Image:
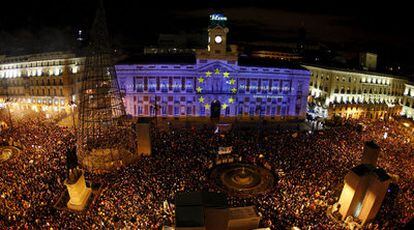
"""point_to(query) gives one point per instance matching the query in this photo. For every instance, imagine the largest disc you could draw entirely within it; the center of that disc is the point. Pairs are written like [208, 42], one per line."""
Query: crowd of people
[310, 168]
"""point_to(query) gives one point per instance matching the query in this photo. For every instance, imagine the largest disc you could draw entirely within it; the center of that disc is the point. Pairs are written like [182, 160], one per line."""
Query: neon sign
[218, 17]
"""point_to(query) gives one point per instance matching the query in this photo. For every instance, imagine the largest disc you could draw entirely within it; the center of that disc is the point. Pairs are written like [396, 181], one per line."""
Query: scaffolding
[105, 138]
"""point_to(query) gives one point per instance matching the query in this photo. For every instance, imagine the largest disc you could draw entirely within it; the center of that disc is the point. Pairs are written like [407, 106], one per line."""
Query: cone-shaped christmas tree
[105, 138]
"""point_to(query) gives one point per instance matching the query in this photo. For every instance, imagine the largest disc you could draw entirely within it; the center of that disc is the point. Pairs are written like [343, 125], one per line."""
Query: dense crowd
[310, 169]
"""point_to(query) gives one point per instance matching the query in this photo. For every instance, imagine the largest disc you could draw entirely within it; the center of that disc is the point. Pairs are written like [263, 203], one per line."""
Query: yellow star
[226, 74]
[217, 71]
[200, 79]
[233, 90]
[231, 100]
[201, 99]
[208, 74]
[199, 89]
[224, 106]
[232, 81]
[207, 106]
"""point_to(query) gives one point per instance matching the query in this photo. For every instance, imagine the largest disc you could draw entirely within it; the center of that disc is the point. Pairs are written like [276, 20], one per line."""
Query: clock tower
[217, 48]
[217, 34]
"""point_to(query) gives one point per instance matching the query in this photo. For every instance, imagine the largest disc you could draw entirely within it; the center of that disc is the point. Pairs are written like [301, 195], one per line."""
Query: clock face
[218, 39]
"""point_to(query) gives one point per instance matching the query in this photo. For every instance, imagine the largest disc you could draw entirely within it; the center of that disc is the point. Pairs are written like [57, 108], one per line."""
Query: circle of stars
[229, 80]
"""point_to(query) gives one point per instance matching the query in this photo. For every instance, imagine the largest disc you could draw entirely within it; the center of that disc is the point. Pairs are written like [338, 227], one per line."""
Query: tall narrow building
[105, 139]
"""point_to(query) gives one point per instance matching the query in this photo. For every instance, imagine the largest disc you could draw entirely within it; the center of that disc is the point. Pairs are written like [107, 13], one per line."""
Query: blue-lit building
[213, 82]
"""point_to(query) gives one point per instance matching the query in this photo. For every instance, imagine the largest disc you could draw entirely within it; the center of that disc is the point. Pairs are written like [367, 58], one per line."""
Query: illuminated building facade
[408, 101]
[353, 94]
[45, 82]
[215, 83]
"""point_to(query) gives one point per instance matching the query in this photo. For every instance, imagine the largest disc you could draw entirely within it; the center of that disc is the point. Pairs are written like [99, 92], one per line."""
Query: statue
[79, 193]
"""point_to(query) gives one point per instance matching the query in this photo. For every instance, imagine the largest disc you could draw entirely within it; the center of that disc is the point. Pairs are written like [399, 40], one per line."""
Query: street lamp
[155, 107]
[73, 105]
[7, 104]
[260, 125]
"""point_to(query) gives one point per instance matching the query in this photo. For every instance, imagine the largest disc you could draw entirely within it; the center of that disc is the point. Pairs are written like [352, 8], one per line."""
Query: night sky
[385, 28]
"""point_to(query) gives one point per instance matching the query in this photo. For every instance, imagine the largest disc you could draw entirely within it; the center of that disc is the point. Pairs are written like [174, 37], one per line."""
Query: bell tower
[217, 34]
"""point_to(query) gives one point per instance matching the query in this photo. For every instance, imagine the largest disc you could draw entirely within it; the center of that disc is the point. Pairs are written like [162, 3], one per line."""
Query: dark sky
[381, 27]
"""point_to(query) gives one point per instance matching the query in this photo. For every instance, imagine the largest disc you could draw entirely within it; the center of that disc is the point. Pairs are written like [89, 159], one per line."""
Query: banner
[225, 150]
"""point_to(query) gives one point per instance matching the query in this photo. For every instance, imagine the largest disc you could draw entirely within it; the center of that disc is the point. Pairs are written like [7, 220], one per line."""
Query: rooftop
[159, 59]
[359, 71]
[269, 62]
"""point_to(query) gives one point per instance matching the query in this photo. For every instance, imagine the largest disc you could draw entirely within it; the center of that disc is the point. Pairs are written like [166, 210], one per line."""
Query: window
[139, 85]
[189, 85]
[176, 110]
[164, 85]
[283, 112]
[251, 110]
[275, 86]
[253, 86]
[177, 85]
[152, 84]
[265, 86]
[273, 111]
[240, 112]
[242, 86]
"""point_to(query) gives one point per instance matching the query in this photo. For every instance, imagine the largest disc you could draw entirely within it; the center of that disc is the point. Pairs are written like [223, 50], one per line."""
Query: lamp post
[155, 107]
[260, 126]
[73, 105]
[7, 103]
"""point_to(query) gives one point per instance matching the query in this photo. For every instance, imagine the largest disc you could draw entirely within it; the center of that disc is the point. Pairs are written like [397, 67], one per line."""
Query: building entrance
[215, 109]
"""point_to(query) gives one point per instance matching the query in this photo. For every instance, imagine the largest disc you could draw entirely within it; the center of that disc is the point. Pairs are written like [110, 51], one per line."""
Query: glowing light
[224, 106]
[234, 90]
[207, 106]
[216, 71]
[406, 124]
[232, 81]
[208, 74]
[199, 89]
[57, 71]
[75, 69]
[231, 100]
[218, 17]
[226, 74]
[200, 79]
